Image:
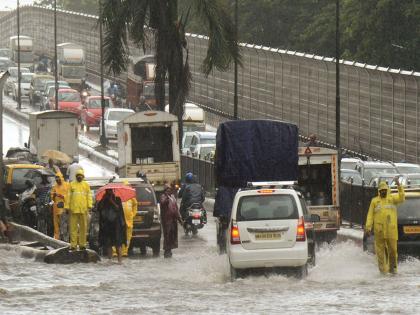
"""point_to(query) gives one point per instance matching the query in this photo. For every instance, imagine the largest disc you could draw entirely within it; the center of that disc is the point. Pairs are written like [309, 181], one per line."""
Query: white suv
[268, 230]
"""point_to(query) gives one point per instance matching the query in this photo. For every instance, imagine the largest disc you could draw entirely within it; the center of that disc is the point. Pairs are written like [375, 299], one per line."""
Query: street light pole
[337, 82]
[18, 57]
[55, 56]
[3, 79]
[235, 95]
[102, 138]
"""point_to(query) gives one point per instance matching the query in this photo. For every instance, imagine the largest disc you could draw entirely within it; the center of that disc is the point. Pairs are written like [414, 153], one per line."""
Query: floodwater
[196, 280]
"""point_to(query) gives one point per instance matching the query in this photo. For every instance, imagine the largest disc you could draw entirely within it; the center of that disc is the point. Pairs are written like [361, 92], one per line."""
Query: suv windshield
[373, 172]
[19, 179]
[410, 209]
[145, 196]
[267, 207]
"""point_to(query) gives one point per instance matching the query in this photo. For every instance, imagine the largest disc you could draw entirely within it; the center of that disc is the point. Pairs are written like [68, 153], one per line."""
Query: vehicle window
[118, 116]
[208, 141]
[371, 172]
[145, 196]
[187, 141]
[96, 103]
[18, 178]
[267, 207]
[303, 204]
[348, 165]
[410, 209]
[68, 97]
[206, 150]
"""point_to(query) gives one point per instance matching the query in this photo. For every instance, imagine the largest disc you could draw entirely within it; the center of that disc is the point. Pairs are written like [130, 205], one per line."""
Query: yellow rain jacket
[382, 214]
[80, 196]
[59, 193]
[130, 211]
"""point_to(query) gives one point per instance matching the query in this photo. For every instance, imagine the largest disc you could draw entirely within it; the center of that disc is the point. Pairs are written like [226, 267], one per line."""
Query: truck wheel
[312, 255]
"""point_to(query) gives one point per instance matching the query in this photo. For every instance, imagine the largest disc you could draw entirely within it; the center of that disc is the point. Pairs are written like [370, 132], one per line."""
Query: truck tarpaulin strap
[256, 150]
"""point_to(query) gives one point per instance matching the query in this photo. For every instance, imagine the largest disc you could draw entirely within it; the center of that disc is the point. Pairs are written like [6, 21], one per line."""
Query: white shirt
[72, 170]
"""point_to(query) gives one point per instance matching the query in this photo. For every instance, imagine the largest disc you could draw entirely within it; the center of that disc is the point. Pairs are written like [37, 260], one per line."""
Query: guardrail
[202, 169]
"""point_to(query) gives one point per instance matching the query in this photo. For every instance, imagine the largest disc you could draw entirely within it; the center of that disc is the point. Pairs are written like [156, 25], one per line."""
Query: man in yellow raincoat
[382, 216]
[79, 203]
[130, 211]
[59, 194]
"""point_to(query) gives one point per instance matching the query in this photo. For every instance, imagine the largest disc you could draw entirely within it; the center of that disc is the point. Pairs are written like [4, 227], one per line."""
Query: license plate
[267, 236]
[412, 229]
[139, 219]
[196, 221]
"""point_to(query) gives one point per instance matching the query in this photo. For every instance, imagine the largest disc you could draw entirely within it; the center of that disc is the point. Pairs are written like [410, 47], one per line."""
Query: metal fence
[379, 106]
[204, 170]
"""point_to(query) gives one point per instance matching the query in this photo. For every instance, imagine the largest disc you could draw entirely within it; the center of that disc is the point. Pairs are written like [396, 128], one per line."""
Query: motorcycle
[196, 219]
[28, 207]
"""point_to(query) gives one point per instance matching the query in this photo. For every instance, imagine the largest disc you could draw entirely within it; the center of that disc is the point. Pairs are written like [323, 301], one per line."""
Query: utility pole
[337, 82]
[55, 55]
[235, 95]
[18, 57]
[102, 138]
[3, 79]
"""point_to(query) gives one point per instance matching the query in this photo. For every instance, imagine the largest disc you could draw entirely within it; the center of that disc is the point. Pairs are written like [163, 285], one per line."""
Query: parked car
[268, 229]
[349, 163]
[204, 151]
[351, 176]
[112, 117]
[370, 169]
[13, 71]
[25, 82]
[202, 137]
[50, 92]
[407, 168]
[37, 86]
[5, 63]
[388, 178]
[92, 111]
[68, 100]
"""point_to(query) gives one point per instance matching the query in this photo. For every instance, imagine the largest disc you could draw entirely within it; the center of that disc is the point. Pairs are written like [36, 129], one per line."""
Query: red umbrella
[120, 190]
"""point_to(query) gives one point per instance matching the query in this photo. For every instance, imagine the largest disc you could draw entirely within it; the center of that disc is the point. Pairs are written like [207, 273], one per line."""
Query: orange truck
[141, 83]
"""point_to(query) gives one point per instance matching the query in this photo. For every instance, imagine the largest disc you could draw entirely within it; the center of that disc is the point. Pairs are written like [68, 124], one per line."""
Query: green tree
[165, 22]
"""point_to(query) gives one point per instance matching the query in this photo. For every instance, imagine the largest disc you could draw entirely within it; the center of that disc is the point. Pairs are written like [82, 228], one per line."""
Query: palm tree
[161, 21]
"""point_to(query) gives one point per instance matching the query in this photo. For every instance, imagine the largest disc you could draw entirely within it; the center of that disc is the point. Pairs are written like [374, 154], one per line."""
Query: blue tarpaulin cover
[256, 150]
[252, 151]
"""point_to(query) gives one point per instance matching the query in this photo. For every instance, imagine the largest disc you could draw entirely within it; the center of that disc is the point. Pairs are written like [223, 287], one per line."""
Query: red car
[92, 111]
[68, 100]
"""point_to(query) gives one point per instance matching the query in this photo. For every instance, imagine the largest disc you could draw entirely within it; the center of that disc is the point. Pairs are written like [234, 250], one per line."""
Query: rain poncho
[59, 194]
[382, 217]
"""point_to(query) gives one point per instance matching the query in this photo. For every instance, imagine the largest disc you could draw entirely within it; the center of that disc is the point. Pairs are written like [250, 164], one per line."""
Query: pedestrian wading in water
[112, 226]
[170, 217]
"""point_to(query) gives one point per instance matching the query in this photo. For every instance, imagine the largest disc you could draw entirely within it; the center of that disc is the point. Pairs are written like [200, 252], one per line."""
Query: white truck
[71, 63]
[53, 130]
[193, 119]
[148, 143]
[319, 183]
[26, 51]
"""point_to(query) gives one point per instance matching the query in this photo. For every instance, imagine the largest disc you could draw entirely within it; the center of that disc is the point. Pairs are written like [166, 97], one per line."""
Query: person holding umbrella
[112, 222]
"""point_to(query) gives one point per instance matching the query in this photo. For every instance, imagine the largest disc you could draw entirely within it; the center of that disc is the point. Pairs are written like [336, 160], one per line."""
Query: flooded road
[196, 280]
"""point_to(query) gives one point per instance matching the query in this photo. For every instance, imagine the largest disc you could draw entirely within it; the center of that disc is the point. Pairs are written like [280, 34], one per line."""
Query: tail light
[197, 215]
[234, 235]
[301, 234]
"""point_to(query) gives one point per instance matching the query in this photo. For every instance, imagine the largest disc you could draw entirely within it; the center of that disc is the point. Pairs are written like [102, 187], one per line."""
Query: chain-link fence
[379, 106]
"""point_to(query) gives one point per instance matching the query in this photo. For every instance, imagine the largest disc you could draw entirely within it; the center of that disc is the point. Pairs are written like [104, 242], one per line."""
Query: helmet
[189, 177]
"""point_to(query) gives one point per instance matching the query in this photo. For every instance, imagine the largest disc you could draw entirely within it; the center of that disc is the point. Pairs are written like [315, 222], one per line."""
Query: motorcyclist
[191, 192]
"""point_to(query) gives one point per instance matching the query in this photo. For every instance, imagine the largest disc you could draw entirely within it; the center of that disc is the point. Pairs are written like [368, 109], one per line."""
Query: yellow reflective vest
[382, 214]
[80, 197]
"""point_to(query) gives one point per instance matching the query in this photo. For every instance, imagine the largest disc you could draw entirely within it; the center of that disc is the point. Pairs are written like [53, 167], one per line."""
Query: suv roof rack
[271, 184]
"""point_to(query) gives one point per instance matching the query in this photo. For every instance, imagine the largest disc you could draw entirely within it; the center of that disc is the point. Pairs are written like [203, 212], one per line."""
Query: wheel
[156, 249]
[194, 230]
[312, 255]
[221, 240]
[143, 250]
[233, 273]
[302, 271]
